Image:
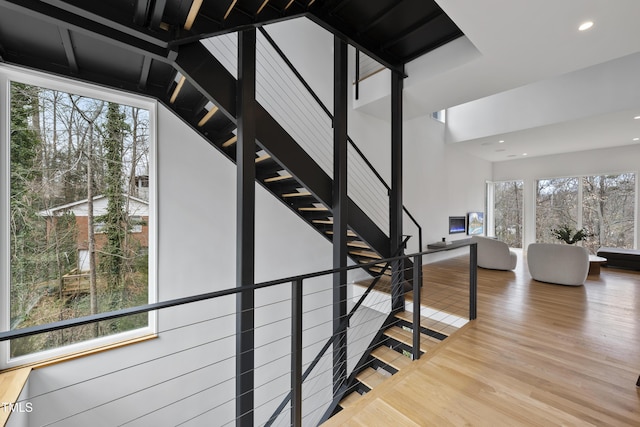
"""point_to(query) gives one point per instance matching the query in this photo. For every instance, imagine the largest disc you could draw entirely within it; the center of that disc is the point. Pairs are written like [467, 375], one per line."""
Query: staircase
[204, 95]
[391, 352]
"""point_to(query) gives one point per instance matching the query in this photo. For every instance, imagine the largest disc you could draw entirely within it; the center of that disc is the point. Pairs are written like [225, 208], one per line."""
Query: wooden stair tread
[297, 194]
[322, 221]
[406, 337]
[313, 209]
[350, 399]
[262, 158]
[425, 322]
[229, 142]
[358, 244]
[366, 254]
[349, 233]
[278, 178]
[371, 378]
[379, 270]
[391, 357]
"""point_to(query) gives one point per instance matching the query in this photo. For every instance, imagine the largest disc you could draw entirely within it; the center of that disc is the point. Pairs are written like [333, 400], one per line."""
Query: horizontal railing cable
[272, 368]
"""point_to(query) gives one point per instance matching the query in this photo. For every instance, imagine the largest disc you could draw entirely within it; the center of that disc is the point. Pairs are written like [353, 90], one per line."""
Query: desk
[594, 264]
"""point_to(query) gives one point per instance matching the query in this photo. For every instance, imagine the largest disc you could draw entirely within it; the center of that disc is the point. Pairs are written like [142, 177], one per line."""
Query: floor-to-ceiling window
[505, 210]
[556, 206]
[608, 210]
[604, 205]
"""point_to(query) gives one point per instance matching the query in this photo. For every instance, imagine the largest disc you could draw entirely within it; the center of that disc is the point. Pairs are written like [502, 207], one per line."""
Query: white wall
[196, 220]
[592, 162]
[440, 180]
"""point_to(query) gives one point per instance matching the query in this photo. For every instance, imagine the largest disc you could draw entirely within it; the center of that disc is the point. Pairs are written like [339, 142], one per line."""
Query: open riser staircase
[204, 96]
[390, 351]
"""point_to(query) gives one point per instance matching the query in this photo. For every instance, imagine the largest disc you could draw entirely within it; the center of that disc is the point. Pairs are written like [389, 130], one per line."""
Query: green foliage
[568, 235]
[115, 219]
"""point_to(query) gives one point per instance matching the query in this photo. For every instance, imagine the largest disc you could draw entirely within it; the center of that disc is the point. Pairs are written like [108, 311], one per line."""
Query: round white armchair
[557, 263]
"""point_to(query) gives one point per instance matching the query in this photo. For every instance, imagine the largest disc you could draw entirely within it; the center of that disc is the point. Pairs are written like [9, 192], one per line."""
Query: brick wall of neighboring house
[83, 234]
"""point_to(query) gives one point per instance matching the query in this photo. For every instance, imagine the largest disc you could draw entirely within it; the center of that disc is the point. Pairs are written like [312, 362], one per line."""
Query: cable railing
[290, 99]
[186, 376]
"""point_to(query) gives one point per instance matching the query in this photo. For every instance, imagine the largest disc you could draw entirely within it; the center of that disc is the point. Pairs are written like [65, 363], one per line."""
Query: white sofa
[494, 254]
[558, 263]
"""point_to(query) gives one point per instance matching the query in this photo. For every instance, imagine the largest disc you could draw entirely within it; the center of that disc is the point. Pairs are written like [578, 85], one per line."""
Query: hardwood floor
[538, 354]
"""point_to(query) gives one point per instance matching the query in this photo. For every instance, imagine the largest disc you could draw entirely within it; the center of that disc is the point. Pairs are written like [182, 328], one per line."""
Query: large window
[556, 206]
[507, 208]
[80, 226]
[602, 204]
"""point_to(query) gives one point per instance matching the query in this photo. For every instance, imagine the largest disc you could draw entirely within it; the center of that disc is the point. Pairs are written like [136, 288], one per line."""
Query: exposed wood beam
[68, 49]
[193, 12]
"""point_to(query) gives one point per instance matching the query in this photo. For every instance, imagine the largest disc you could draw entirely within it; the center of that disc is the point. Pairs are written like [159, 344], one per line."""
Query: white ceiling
[515, 43]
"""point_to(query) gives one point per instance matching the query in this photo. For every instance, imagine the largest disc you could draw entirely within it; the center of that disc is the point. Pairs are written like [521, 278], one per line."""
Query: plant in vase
[568, 235]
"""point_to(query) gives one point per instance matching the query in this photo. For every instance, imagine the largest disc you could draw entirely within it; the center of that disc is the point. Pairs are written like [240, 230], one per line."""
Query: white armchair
[558, 263]
[494, 254]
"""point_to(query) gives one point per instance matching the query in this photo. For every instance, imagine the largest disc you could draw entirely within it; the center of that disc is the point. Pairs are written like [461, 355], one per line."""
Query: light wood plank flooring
[538, 355]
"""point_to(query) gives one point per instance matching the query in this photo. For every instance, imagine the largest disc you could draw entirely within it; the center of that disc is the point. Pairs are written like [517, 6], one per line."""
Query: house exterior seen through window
[80, 228]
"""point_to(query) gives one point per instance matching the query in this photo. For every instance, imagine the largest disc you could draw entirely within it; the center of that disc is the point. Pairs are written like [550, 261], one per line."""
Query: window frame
[9, 74]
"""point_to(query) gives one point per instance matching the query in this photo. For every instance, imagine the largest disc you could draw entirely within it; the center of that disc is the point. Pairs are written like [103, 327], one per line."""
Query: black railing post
[473, 281]
[339, 209]
[245, 226]
[296, 352]
[417, 298]
[395, 199]
[357, 74]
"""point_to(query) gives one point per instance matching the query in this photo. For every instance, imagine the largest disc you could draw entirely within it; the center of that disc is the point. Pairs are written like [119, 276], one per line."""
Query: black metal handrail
[315, 96]
[298, 376]
[336, 334]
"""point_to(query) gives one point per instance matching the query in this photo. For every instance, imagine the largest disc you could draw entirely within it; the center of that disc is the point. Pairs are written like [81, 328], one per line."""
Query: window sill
[72, 356]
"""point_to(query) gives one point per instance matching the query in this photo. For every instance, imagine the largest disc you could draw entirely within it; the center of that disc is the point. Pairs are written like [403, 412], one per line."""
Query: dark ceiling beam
[68, 49]
[107, 80]
[156, 13]
[144, 72]
[205, 27]
[67, 20]
[101, 13]
[338, 28]
[379, 17]
[337, 8]
[141, 12]
[409, 31]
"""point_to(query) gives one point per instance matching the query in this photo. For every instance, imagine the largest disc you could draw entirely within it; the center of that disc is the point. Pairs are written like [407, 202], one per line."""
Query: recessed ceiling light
[585, 26]
[524, 154]
[636, 139]
[637, 118]
[501, 141]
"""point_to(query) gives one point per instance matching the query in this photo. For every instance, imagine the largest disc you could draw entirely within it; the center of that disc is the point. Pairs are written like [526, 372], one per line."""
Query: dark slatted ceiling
[133, 42]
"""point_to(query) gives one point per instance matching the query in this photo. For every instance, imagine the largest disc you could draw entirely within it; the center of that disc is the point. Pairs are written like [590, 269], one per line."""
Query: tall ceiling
[457, 52]
[519, 47]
